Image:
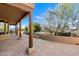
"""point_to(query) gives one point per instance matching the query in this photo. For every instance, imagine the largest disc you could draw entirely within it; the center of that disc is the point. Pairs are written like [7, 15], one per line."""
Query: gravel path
[15, 47]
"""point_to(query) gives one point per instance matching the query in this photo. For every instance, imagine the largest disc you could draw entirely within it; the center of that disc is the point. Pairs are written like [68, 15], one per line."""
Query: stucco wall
[4, 37]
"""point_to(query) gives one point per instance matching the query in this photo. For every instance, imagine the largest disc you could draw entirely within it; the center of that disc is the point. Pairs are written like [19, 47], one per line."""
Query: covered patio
[12, 14]
[18, 44]
[14, 47]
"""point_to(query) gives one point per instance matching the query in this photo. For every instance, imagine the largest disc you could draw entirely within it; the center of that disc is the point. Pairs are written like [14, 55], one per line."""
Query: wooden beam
[25, 14]
[22, 6]
[20, 29]
[30, 31]
[3, 21]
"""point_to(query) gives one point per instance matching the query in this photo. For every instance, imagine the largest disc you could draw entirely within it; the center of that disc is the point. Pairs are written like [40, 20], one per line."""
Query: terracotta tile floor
[15, 47]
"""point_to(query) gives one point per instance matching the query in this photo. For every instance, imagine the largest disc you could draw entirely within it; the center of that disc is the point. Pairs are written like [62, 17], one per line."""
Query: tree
[36, 27]
[26, 29]
[62, 18]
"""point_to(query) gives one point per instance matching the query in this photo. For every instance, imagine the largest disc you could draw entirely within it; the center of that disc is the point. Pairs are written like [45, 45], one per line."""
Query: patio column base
[30, 51]
[19, 38]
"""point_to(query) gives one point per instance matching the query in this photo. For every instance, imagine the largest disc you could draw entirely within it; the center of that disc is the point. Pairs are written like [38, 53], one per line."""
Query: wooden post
[5, 27]
[8, 28]
[30, 31]
[20, 29]
[16, 30]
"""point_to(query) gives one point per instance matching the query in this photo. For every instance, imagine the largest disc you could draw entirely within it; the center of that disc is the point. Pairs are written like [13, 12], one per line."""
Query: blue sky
[39, 9]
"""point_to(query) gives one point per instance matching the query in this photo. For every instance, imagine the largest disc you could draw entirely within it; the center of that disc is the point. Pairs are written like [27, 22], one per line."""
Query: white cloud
[38, 17]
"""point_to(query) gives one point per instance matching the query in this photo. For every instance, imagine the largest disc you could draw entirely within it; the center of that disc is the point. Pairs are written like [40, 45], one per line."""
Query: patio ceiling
[14, 12]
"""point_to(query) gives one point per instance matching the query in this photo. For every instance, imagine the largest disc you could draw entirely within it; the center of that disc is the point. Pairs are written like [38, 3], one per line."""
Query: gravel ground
[15, 47]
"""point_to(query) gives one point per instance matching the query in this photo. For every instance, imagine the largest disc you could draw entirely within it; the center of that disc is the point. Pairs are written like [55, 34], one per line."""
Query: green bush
[26, 29]
[36, 28]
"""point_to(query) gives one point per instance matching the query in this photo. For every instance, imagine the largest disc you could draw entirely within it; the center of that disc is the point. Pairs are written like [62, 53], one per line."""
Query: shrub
[36, 28]
[26, 29]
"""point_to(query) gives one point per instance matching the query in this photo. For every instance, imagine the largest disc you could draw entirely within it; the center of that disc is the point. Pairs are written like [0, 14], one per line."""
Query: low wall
[63, 39]
[4, 37]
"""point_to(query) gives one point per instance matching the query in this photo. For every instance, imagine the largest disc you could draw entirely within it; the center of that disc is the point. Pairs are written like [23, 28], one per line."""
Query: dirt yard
[62, 39]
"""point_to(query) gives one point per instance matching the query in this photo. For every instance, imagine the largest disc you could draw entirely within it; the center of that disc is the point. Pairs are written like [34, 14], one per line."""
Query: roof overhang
[14, 12]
